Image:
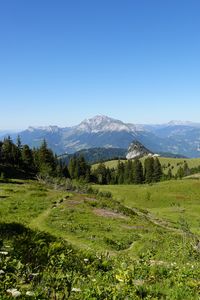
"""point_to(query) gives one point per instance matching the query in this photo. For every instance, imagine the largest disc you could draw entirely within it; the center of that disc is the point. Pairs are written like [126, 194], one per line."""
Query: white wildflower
[29, 293]
[76, 290]
[35, 274]
[4, 252]
[14, 293]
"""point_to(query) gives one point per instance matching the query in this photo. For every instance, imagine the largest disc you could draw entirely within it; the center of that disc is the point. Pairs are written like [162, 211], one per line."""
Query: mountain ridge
[176, 137]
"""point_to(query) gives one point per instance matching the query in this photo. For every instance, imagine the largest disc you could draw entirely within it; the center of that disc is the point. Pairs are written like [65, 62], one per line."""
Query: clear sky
[63, 61]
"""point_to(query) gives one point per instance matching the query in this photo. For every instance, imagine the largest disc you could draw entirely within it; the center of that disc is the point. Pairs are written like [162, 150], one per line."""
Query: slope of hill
[94, 155]
[53, 242]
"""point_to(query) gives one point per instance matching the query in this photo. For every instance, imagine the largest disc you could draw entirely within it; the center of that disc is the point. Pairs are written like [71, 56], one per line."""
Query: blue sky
[63, 61]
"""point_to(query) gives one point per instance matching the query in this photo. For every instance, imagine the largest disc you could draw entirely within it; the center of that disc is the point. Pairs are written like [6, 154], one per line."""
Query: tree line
[129, 172]
[43, 162]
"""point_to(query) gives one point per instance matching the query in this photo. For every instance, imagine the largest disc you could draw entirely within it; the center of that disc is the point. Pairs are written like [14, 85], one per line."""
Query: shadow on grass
[27, 245]
[4, 181]
[30, 246]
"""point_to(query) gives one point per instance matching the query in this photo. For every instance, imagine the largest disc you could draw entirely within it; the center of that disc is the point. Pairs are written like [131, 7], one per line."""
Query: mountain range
[101, 131]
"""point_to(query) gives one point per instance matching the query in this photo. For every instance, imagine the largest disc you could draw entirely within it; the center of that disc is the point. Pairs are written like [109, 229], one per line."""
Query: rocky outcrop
[137, 150]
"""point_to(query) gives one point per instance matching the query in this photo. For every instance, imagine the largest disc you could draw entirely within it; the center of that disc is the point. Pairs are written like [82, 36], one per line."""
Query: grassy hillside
[173, 163]
[84, 221]
[66, 245]
[93, 155]
[176, 201]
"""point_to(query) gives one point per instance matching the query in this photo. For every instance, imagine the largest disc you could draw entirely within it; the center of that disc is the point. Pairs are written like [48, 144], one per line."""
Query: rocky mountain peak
[101, 123]
[136, 150]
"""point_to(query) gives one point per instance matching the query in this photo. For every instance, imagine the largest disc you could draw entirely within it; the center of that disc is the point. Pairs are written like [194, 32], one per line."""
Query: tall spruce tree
[27, 158]
[148, 169]
[71, 167]
[46, 160]
[157, 170]
[128, 172]
[7, 153]
[120, 172]
[138, 176]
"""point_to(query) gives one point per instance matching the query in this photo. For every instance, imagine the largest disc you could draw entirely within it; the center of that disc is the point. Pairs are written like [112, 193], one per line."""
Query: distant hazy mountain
[101, 131]
[7, 132]
[180, 137]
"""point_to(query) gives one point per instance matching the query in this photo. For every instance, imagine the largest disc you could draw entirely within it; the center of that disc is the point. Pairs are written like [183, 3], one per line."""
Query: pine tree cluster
[40, 161]
[129, 172]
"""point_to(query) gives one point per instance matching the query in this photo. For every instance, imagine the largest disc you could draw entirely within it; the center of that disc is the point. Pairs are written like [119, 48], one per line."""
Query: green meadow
[173, 201]
[139, 243]
[88, 222]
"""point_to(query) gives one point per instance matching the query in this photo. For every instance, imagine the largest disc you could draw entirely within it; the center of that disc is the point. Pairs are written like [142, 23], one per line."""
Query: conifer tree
[169, 174]
[148, 169]
[180, 173]
[101, 174]
[120, 172]
[138, 177]
[71, 167]
[128, 172]
[186, 169]
[8, 151]
[157, 170]
[78, 168]
[46, 160]
[27, 158]
[1, 158]
[19, 143]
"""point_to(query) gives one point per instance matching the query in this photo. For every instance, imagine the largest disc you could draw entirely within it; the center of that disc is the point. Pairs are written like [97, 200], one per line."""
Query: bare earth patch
[74, 202]
[181, 197]
[87, 199]
[108, 213]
